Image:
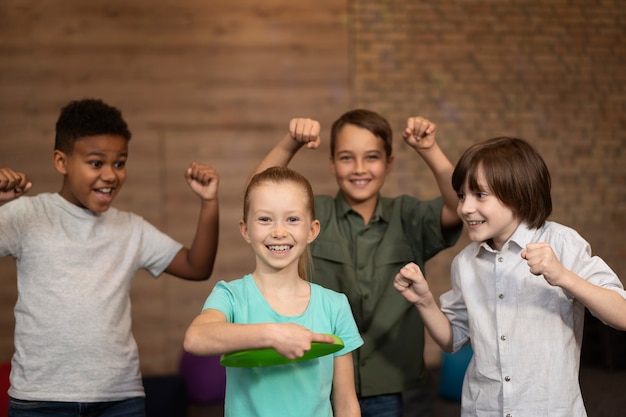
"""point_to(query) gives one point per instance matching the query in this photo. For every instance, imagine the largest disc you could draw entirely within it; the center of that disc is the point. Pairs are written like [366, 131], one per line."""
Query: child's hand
[411, 283]
[293, 341]
[203, 180]
[419, 133]
[12, 184]
[542, 261]
[305, 131]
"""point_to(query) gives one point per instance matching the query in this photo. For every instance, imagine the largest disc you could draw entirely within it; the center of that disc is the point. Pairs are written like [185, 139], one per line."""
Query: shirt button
[509, 415]
[507, 378]
[501, 259]
[501, 296]
[503, 337]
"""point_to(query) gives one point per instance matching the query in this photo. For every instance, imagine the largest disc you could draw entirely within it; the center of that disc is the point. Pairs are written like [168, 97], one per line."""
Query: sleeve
[157, 248]
[423, 219]
[221, 299]
[11, 218]
[454, 307]
[345, 326]
[574, 253]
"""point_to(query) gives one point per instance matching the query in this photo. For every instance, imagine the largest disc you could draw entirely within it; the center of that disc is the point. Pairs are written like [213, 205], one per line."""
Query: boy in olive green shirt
[366, 239]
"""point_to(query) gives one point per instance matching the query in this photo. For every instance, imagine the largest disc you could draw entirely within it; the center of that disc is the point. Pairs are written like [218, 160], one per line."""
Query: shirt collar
[522, 236]
[343, 208]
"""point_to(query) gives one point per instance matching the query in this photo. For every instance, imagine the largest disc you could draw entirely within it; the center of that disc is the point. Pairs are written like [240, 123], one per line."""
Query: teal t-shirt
[300, 389]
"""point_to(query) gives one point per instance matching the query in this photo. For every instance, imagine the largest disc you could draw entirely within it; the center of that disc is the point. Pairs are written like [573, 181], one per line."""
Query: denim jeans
[388, 405]
[413, 403]
[132, 407]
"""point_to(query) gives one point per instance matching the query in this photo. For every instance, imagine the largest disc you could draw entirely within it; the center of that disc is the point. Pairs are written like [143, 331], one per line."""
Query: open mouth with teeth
[360, 183]
[279, 248]
[473, 223]
[104, 195]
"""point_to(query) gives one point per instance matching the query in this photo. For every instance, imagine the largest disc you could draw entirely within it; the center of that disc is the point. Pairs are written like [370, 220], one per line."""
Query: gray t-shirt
[73, 339]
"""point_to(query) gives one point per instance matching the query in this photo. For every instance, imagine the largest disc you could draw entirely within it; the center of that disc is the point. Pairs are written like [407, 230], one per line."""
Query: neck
[365, 208]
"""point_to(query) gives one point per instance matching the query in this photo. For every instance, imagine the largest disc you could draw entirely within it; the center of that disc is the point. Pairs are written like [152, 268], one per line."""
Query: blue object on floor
[452, 372]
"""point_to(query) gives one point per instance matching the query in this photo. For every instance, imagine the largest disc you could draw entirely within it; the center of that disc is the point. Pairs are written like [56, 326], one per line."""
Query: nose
[359, 166]
[107, 173]
[279, 230]
[466, 206]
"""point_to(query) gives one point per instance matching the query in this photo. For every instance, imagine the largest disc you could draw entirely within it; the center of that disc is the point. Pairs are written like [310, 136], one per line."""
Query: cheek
[380, 168]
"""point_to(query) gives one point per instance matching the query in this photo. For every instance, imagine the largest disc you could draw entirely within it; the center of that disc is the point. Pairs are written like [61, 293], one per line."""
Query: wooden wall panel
[218, 81]
[215, 82]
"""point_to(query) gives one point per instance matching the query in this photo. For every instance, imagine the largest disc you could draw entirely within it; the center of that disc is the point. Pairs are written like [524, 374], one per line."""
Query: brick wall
[217, 82]
[552, 72]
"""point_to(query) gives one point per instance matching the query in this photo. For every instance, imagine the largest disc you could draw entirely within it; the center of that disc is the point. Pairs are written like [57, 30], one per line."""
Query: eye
[481, 195]
[263, 219]
[95, 164]
[372, 157]
[461, 196]
[345, 158]
[293, 219]
[120, 164]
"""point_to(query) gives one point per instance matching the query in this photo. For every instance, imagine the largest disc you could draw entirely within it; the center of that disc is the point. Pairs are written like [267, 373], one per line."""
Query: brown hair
[365, 119]
[279, 175]
[514, 171]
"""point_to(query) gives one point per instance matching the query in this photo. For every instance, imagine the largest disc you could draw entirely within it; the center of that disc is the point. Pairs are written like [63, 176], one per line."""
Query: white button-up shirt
[526, 334]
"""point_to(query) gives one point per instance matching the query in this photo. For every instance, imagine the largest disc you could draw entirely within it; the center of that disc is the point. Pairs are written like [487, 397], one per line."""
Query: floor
[604, 393]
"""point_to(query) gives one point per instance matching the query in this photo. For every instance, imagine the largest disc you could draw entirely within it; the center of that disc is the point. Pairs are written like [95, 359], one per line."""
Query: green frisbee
[251, 358]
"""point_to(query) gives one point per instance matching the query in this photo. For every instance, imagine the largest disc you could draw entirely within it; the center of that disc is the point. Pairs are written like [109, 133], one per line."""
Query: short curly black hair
[87, 117]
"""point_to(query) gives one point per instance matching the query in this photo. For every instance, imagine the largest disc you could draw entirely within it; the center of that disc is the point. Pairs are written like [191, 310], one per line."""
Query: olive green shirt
[361, 260]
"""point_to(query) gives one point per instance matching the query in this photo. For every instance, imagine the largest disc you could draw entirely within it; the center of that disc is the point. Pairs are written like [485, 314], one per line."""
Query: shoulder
[407, 204]
[556, 233]
[235, 285]
[323, 202]
[326, 294]
[28, 205]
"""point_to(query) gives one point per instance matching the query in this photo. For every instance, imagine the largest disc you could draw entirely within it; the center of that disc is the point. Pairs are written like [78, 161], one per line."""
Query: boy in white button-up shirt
[519, 291]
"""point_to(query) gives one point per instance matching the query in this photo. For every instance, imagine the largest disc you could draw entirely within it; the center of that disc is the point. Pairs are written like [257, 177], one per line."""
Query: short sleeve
[221, 299]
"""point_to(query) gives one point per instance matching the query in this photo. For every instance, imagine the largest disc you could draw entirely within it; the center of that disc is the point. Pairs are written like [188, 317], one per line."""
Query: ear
[59, 160]
[314, 232]
[389, 164]
[243, 229]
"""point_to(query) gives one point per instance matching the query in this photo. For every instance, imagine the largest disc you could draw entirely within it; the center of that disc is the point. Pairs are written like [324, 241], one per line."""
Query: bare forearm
[606, 305]
[216, 338]
[204, 246]
[442, 170]
[196, 263]
[436, 323]
[280, 155]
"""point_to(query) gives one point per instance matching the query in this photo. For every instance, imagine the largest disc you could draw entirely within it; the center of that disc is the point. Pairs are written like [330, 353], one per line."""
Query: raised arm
[301, 132]
[13, 184]
[420, 135]
[210, 334]
[196, 262]
[413, 286]
[605, 304]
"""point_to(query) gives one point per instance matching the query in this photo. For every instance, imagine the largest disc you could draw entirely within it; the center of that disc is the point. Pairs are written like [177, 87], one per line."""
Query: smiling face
[486, 217]
[360, 165]
[94, 171]
[278, 224]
